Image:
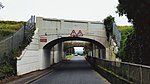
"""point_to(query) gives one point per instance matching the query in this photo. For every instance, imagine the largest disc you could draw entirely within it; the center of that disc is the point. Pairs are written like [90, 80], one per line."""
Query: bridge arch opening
[53, 55]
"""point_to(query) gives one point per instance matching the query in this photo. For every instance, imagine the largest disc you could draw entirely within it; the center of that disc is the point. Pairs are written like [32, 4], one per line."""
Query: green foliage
[8, 65]
[125, 32]
[86, 51]
[133, 9]
[69, 56]
[137, 12]
[6, 68]
[108, 22]
[8, 61]
[130, 49]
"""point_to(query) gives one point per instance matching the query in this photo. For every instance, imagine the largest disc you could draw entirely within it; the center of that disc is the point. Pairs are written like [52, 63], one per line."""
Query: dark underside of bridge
[62, 39]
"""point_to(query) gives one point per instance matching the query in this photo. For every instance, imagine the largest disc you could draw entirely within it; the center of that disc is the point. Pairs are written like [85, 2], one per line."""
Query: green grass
[11, 25]
[69, 56]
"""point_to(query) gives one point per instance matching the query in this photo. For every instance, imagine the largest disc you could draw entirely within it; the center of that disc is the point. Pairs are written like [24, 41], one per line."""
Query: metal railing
[122, 72]
[29, 28]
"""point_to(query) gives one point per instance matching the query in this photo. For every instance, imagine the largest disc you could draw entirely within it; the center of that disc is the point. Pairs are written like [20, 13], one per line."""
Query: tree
[108, 22]
[138, 13]
[1, 6]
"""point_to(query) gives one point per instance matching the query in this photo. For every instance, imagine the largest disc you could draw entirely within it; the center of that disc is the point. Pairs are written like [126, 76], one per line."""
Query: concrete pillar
[101, 53]
[60, 51]
[61, 24]
[94, 50]
[44, 58]
[52, 55]
[72, 50]
[56, 54]
[88, 26]
[97, 52]
[63, 57]
[107, 53]
[89, 53]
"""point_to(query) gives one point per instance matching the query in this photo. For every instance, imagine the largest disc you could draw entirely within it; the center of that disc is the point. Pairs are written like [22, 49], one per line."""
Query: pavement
[75, 71]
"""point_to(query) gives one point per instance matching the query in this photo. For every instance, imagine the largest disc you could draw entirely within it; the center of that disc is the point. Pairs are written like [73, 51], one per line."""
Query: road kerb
[40, 76]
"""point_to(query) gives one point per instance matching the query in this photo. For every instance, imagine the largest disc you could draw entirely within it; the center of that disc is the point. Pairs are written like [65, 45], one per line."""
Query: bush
[8, 65]
[108, 22]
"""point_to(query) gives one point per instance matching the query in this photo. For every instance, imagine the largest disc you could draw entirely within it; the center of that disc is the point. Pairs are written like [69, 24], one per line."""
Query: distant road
[75, 71]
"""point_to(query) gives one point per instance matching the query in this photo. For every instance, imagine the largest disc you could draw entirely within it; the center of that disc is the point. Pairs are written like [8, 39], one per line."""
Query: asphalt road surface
[75, 71]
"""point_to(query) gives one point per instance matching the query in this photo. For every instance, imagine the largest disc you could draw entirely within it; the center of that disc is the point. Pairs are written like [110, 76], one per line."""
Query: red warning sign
[80, 33]
[73, 33]
[43, 39]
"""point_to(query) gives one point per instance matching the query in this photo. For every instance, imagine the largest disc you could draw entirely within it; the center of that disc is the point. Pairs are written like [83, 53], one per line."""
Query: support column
[44, 58]
[60, 51]
[97, 51]
[72, 50]
[107, 53]
[63, 57]
[94, 51]
[56, 54]
[101, 54]
[52, 55]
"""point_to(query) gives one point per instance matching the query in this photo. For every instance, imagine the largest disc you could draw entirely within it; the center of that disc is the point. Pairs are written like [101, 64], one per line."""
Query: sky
[78, 49]
[90, 10]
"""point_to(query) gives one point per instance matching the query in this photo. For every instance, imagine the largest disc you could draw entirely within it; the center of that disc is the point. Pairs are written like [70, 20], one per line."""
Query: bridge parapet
[57, 28]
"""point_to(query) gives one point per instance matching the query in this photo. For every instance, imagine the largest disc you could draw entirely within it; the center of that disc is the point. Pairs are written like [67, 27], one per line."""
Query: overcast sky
[93, 10]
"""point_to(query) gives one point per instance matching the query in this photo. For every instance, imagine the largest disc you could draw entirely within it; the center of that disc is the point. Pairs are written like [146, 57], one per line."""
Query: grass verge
[69, 56]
